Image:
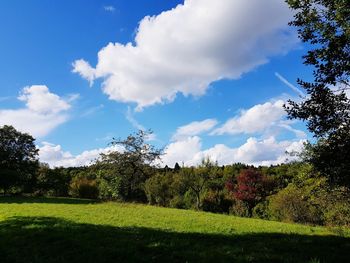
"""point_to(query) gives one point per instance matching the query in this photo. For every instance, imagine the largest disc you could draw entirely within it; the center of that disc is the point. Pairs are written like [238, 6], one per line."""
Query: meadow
[78, 230]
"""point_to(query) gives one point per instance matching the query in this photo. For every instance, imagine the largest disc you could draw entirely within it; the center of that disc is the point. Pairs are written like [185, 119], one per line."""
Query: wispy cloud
[4, 98]
[92, 110]
[130, 117]
[73, 97]
[109, 8]
[107, 137]
[286, 82]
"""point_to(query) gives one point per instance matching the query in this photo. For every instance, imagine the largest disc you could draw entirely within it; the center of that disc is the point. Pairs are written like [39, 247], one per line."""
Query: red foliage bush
[250, 188]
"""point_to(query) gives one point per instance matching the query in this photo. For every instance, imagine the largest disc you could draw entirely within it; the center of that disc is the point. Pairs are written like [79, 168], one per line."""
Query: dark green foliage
[325, 24]
[159, 190]
[9, 178]
[216, 201]
[18, 160]
[330, 157]
[201, 187]
[84, 188]
[177, 167]
[52, 182]
[261, 210]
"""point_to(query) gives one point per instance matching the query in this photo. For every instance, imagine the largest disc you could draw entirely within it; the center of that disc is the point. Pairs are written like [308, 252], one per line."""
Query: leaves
[325, 25]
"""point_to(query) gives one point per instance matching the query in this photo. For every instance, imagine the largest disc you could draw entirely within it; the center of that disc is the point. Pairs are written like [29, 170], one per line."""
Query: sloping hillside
[73, 230]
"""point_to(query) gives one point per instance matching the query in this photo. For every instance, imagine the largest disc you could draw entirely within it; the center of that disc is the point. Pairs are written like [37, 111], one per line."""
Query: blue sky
[208, 77]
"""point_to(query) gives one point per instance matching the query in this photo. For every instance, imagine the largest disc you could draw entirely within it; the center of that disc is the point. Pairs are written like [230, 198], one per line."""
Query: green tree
[18, 159]
[325, 26]
[158, 189]
[132, 165]
[53, 182]
[198, 178]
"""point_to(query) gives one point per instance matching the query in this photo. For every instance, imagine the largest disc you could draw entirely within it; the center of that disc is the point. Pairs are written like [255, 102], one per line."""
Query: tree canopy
[18, 157]
[325, 26]
[130, 167]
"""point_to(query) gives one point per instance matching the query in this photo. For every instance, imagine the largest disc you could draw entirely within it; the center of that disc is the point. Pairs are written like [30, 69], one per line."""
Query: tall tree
[325, 26]
[18, 159]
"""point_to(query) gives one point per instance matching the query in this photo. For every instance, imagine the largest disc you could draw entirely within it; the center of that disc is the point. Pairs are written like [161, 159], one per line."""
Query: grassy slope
[61, 230]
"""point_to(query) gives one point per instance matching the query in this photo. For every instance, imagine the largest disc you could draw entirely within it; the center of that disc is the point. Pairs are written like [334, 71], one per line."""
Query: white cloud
[267, 119]
[85, 70]
[185, 49]
[253, 151]
[194, 128]
[39, 99]
[44, 111]
[256, 119]
[55, 156]
[34, 123]
[181, 151]
[188, 151]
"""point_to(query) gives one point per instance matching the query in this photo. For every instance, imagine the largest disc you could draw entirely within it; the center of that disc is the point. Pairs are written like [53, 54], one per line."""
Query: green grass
[74, 230]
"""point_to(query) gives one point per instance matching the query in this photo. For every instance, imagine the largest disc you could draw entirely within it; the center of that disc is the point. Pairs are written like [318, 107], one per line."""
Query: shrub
[158, 189]
[177, 202]
[108, 189]
[335, 205]
[261, 210]
[84, 188]
[190, 200]
[338, 215]
[240, 208]
[216, 202]
[291, 205]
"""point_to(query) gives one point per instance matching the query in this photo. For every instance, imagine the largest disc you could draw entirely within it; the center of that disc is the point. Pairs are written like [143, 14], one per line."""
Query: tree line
[292, 192]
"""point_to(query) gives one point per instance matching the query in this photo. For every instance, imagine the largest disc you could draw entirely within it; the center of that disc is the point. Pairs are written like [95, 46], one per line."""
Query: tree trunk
[198, 200]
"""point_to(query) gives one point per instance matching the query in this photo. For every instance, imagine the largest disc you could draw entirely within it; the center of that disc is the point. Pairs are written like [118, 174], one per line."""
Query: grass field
[73, 230]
